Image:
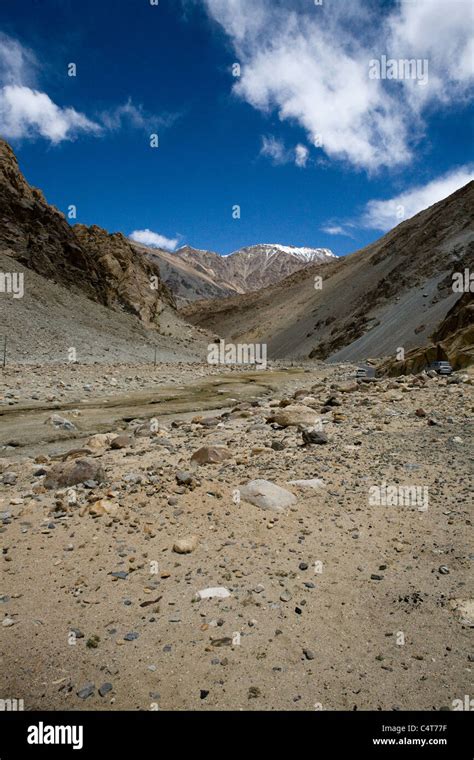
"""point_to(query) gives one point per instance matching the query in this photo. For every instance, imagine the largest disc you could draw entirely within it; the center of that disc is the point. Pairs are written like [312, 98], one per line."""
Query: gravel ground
[334, 602]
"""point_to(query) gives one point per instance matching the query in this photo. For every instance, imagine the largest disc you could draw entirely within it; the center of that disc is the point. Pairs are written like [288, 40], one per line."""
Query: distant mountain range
[192, 274]
[86, 286]
[393, 294]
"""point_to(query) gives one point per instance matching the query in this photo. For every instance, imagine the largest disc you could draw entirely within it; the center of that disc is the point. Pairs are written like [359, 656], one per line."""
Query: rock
[443, 570]
[131, 636]
[375, 577]
[184, 478]
[294, 415]
[313, 484]
[464, 609]
[120, 442]
[211, 455]
[104, 689]
[267, 495]
[308, 654]
[333, 401]
[120, 574]
[67, 474]
[278, 445]
[103, 507]
[285, 596]
[348, 387]
[218, 592]
[8, 622]
[186, 545]
[9, 479]
[86, 691]
[420, 413]
[60, 422]
[99, 442]
[313, 437]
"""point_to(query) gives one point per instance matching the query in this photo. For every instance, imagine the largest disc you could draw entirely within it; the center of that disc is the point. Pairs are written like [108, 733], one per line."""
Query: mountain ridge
[392, 293]
[195, 274]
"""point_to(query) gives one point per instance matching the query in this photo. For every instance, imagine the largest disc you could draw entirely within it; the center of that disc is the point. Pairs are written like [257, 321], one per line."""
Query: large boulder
[294, 415]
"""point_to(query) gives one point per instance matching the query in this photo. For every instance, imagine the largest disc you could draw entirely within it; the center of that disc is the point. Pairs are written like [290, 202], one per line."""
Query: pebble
[86, 691]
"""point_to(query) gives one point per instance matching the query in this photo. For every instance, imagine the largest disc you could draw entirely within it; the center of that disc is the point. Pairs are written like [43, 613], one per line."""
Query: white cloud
[135, 116]
[302, 155]
[17, 63]
[427, 29]
[153, 239]
[26, 113]
[336, 229]
[275, 149]
[310, 64]
[383, 215]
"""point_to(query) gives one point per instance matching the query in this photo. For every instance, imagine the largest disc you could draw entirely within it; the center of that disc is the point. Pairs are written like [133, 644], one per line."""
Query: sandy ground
[335, 603]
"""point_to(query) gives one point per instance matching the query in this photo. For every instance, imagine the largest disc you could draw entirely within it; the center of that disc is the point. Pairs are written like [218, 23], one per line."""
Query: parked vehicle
[442, 368]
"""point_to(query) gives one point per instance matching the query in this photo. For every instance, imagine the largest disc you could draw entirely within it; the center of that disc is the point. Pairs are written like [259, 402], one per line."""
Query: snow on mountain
[271, 249]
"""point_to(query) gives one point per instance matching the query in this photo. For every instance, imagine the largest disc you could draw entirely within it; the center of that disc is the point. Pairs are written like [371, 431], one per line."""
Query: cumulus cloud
[27, 113]
[385, 214]
[310, 64]
[154, 239]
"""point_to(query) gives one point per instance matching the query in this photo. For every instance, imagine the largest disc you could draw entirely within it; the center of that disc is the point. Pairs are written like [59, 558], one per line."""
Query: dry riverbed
[326, 601]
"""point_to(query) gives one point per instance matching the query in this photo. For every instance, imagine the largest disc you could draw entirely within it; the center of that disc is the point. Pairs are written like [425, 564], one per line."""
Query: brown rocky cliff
[127, 280]
[88, 260]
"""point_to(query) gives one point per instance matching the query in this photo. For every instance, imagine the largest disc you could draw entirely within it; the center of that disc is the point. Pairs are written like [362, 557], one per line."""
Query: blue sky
[314, 150]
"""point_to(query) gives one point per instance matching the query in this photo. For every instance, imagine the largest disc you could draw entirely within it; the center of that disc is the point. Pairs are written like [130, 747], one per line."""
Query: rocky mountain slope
[106, 268]
[83, 287]
[452, 341]
[193, 274]
[393, 293]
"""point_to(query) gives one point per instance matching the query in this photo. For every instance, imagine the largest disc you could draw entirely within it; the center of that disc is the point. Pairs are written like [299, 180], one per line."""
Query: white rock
[294, 415]
[219, 592]
[267, 495]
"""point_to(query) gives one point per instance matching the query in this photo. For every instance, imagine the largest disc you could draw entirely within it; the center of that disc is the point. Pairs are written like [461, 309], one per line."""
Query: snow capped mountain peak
[308, 255]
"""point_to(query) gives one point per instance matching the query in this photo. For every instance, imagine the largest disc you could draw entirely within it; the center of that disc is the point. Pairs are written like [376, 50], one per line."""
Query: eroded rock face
[453, 341]
[129, 282]
[106, 268]
[66, 474]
